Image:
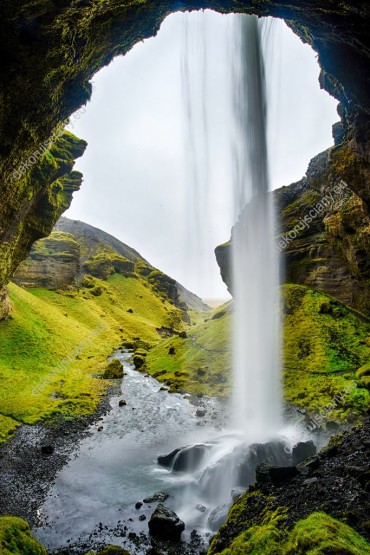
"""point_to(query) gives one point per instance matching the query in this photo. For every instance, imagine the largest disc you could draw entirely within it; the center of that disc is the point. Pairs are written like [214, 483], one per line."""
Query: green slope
[55, 345]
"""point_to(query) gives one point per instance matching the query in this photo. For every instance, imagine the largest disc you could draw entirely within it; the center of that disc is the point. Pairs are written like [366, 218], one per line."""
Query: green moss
[114, 370]
[324, 345]
[43, 193]
[319, 534]
[55, 346]
[105, 263]
[201, 362]
[110, 550]
[16, 538]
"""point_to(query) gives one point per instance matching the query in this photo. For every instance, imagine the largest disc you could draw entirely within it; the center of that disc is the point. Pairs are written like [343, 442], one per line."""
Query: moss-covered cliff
[324, 232]
[54, 262]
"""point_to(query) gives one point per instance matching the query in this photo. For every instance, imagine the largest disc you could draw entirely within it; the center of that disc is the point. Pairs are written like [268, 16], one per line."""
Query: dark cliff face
[51, 50]
[324, 233]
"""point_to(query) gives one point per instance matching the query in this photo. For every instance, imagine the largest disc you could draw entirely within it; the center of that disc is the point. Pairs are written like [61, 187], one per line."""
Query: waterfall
[256, 406]
[224, 464]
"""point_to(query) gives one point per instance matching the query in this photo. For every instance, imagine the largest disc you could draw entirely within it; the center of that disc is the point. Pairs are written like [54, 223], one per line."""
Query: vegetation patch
[54, 347]
[16, 538]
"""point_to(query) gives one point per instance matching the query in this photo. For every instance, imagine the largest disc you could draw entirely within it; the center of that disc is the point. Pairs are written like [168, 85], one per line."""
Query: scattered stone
[219, 314]
[130, 311]
[201, 412]
[164, 523]
[100, 429]
[122, 403]
[138, 505]
[302, 451]
[171, 351]
[47, 449]
[160, 496]
[142, 517]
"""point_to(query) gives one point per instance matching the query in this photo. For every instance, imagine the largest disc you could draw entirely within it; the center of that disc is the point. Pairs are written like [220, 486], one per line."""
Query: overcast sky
[136, 164]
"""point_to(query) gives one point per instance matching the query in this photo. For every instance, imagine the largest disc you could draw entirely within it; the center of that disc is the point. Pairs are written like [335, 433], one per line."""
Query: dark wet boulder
[122, 403]
[167, 460]
[139, 361]
[267, 474]
[302, 451]
[283, 473]
[160, 496]
[114, 370]
[201, 412]
[47, 449]
[165, 524]
[187, 458]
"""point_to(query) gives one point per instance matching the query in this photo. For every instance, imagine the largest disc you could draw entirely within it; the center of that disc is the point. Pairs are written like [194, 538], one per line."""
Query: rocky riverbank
[334, 482]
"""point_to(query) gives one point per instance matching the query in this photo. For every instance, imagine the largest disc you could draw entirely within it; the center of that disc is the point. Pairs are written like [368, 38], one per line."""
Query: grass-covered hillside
[326, 355]
[55, 345]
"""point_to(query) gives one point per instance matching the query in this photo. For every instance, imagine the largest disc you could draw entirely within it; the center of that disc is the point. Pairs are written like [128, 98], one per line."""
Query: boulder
[114, 370]
[302, 451]
[159, 496]
[187, 458]
[165, 524]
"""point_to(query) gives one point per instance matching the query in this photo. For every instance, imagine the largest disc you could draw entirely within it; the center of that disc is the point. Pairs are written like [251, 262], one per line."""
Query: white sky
[135, 165]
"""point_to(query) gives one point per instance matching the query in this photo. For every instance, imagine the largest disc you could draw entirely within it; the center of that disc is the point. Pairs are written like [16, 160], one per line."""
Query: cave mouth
[135, 125]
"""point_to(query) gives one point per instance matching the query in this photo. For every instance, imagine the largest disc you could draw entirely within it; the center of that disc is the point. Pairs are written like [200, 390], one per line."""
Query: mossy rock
[16, 538]
[110, 550]
[88, 281]
[96, 291]
[104, 264]
[139, 361]
[114, 370]
[318, 534]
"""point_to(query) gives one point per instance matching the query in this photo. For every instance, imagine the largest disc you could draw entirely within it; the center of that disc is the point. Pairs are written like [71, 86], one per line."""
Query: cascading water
[227, 463]
[255, 272]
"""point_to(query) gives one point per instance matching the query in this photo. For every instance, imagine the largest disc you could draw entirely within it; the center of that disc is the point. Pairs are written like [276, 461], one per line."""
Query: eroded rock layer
[324, 232]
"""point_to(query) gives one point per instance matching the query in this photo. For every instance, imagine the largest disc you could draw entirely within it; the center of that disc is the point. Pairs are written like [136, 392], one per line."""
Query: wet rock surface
[165, 524]
[336, 482]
